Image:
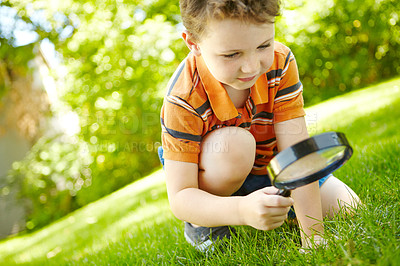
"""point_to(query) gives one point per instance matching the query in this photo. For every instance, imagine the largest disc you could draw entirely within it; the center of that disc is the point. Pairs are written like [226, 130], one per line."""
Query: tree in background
[118, 57]
[119, 61]
[24, 105]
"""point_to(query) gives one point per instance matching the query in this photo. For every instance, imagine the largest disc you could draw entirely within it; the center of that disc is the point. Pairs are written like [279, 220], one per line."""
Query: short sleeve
[288, 101]
[182, 130]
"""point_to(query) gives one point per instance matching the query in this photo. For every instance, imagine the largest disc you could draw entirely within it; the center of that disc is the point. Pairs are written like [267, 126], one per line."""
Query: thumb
[270, 190]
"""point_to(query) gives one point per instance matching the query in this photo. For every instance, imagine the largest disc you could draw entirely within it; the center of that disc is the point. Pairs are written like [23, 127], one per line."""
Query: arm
[262, 209]
[307, 198]
[193, 205]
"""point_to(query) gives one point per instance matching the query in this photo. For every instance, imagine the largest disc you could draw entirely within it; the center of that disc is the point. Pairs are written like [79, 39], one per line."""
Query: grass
[135, 226]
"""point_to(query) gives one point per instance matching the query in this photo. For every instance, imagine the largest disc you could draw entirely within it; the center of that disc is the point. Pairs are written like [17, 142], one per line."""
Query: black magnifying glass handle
[284, 192]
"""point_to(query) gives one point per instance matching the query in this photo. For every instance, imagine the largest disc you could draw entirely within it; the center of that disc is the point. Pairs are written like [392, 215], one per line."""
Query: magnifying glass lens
[311, 164]
[309, 160]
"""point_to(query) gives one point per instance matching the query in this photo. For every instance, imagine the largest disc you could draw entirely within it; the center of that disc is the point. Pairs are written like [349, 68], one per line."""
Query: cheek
[268, 60]
[224, 71]
[229, 68]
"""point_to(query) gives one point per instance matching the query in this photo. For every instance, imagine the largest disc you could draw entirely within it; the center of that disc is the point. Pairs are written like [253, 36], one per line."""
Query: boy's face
[236, 53]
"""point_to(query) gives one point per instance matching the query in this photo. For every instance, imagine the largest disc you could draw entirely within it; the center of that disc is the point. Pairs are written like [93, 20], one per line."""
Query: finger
[277, 211]
[304, 251]
[277, 201]
[270, 190]
[277, 219]
[273, 225]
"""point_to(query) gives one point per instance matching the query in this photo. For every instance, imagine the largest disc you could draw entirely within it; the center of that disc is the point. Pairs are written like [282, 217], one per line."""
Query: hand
[263, 209]
[312, 242]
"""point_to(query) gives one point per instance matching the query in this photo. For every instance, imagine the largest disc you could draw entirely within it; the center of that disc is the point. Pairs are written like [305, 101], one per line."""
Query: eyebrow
[238, 50]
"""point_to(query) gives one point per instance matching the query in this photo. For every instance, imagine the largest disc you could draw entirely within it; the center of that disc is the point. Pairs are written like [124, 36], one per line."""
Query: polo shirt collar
[220, 101]
[259, 92]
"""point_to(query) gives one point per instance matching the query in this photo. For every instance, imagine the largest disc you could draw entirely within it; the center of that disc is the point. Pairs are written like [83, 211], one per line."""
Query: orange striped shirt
[196, 103]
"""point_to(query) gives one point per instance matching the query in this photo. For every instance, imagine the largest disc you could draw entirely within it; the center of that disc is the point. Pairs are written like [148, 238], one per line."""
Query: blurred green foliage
[18, 18]
[119, 56]
[50, 177]
[341, 45]
[119, 60]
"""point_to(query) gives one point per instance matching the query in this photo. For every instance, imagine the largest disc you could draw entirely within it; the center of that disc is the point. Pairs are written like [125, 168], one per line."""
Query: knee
[230, 152]
[337, 196]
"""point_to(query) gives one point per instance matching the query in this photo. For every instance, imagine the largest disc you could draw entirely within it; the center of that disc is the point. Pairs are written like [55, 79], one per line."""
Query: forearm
[199, 207]
[307, 198]
[308, 210]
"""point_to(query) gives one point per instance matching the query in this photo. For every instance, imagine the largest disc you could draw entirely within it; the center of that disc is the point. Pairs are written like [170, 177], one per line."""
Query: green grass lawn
[135, 226]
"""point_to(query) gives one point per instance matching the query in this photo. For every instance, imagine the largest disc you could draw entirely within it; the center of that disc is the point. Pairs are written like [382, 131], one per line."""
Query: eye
[231, 55]
[262, 47]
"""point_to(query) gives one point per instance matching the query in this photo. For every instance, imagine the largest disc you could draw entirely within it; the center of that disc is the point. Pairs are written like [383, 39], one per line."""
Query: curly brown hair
[196, 13]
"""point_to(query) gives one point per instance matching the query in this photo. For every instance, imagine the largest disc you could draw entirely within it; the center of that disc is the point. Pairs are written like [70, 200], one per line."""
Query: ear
[191, 44]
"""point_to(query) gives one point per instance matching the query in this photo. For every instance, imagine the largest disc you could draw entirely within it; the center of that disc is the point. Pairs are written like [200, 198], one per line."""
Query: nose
[251, 64]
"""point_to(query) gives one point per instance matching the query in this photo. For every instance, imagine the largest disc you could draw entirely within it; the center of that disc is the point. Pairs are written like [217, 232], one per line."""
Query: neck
[238, 97]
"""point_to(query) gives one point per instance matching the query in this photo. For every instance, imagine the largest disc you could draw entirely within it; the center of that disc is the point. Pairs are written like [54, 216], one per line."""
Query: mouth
[247, 79]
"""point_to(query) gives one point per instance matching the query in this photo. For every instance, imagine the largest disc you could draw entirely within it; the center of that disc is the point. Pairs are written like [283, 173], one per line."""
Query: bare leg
[227, 157]
[336, 195]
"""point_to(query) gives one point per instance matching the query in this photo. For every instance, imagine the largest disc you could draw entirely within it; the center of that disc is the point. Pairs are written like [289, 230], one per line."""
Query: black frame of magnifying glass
[316, 143]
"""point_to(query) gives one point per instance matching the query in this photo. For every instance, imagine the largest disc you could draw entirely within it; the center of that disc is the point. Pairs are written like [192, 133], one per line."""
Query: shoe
[202, 238]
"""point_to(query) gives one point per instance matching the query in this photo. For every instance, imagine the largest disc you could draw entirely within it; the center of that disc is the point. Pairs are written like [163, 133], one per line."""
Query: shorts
[252, 182]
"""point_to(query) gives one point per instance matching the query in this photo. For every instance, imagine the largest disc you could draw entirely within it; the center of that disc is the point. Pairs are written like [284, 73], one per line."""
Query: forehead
[231, 34]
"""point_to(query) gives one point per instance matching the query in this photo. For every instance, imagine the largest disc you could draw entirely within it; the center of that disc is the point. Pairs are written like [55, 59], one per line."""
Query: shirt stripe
[181, 135]
[289, 92]
[175, 77]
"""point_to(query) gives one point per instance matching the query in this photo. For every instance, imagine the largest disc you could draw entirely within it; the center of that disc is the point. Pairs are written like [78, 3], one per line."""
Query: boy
[231, 105]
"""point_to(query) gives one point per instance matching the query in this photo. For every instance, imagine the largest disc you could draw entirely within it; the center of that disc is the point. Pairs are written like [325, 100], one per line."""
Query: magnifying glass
[308, 161]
